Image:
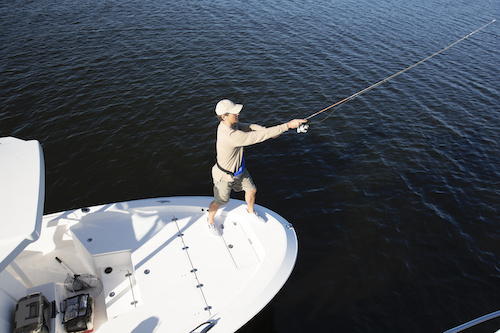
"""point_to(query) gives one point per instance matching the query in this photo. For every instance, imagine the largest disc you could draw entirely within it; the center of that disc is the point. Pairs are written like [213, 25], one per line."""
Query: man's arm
[249, 127]
[243, 138]
[255, 127]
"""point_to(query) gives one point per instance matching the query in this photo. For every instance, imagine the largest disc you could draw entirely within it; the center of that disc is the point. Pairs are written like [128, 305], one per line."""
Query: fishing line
[303, 128]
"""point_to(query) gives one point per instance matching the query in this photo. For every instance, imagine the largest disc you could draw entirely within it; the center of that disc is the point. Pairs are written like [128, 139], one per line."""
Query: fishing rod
[303, 128]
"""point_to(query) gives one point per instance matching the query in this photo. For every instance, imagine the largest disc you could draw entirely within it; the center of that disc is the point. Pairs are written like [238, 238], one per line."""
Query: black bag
[78, 313]
[33, 313]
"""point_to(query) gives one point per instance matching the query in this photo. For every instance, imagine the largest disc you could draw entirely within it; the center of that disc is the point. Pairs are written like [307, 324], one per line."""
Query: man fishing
[229, 172]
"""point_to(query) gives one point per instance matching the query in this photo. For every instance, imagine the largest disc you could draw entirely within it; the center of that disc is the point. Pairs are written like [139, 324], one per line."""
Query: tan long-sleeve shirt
[230, 143]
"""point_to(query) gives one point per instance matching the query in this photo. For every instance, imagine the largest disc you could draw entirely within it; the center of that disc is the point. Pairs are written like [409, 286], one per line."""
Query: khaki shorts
[222, 189]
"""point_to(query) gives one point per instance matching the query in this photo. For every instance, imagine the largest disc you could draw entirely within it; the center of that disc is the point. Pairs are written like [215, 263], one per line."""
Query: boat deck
[161, 268]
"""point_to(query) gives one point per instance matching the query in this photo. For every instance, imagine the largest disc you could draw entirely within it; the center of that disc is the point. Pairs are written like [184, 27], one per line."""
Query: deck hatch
[239, 245]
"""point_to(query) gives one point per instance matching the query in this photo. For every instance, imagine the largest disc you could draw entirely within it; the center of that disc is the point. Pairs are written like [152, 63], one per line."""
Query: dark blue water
[395, 197]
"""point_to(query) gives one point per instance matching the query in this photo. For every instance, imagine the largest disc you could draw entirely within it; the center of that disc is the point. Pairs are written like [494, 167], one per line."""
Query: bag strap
[239, 171]
[222, 169]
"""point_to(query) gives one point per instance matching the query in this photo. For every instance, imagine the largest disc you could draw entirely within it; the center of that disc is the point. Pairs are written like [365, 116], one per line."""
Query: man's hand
[295, 123]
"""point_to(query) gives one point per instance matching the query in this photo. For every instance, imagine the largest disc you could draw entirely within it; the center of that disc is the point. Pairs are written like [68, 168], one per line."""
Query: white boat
[149, 265]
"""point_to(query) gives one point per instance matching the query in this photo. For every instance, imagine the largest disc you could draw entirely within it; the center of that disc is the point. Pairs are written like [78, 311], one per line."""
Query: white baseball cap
[226, 106]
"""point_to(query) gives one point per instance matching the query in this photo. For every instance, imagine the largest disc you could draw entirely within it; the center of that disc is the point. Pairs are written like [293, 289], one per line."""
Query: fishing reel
[302, 128]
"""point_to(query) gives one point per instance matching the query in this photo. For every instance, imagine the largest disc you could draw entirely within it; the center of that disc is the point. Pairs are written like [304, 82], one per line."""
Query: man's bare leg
[212, 210]
[250, 199]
